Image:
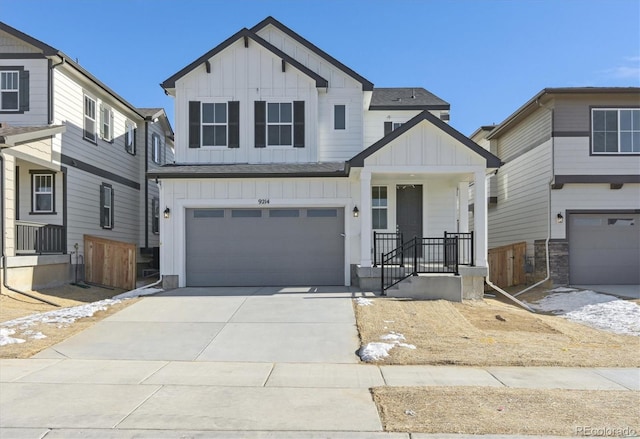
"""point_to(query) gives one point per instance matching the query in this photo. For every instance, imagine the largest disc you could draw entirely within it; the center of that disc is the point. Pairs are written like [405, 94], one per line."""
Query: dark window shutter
[102, 222]
[194, 124]
[260, 115]
[298, 124]
[135, 141]
[24, 90]
[113, 208]
[234, 124]
[388, 127]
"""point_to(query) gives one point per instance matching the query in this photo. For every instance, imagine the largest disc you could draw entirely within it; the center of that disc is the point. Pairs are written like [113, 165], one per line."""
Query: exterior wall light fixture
[356, 212]
[559, 218]
[167, 212]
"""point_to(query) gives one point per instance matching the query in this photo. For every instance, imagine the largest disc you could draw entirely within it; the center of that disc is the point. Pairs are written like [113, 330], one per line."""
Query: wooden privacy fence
[507, 264]
[110, 263]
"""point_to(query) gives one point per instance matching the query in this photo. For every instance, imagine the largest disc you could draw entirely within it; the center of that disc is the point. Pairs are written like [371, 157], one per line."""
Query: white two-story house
[74, 161]
[570, 181]
[292, 169]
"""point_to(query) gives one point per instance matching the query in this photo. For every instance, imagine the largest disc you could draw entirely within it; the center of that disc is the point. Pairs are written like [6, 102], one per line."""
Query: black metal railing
[426, 255]
[384, 242]
[35, 238]
[465, 247]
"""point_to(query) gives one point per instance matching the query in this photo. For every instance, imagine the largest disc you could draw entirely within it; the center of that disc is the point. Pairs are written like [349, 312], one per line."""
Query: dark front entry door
[409, 210]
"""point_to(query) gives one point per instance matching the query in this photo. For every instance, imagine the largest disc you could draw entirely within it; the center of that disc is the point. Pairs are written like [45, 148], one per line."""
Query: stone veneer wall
[558, 261]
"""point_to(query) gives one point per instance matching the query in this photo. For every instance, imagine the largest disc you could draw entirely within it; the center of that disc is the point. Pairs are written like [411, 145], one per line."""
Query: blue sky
[485, 57]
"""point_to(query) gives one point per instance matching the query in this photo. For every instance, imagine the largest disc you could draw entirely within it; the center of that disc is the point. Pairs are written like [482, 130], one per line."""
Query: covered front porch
[414, 201]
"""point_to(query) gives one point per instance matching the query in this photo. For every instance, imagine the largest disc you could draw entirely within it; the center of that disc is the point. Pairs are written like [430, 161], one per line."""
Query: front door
[409, 210]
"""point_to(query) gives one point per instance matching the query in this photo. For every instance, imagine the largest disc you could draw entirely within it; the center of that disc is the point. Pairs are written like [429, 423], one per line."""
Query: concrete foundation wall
[27, 278]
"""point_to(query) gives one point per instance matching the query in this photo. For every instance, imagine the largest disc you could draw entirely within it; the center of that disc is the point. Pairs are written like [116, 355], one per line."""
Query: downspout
[2, 241]
[51, 69]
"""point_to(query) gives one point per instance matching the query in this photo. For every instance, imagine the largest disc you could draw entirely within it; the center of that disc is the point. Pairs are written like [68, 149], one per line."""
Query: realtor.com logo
[606, 431]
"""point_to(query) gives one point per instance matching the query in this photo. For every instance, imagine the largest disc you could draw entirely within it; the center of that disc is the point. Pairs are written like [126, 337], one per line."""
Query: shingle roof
[242, 170]
[10, 135]
[406, 98]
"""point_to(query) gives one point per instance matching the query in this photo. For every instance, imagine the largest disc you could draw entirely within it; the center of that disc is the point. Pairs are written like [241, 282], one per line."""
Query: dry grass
[490, 333]
[488, 410]
[13, 305]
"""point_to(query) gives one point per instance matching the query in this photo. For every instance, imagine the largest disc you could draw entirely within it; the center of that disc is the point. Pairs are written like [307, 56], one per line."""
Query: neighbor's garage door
[604, 249]
[248, 247]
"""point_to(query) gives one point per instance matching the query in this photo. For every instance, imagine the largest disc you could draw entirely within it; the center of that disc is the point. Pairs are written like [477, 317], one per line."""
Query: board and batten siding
[523, 193]
[374, 122]
[246, 75]
[526, 135]
[572, 113]
[38, 92]
[591, 197]
[243, 193]
[340, 145]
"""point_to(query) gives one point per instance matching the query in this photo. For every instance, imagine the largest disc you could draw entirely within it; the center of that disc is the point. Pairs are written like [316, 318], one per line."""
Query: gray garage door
[604, 249]
[248, 247]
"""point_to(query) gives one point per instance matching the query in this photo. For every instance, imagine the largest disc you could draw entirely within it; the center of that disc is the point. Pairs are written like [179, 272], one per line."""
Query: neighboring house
[571, 173]
[74, 157]
[288, 161]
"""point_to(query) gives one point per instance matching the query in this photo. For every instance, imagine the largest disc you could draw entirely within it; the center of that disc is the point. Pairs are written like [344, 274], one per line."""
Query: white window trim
[619, 131]
[85, 116]
[156, 149]
[267, 124]
[386, 208]
[203, 124]
[11, 90]
[107, 206]
[333, 117]
[34, 208]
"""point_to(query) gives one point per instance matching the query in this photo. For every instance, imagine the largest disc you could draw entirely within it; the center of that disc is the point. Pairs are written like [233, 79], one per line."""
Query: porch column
[480, 219]
[463, 206]
[365, 219]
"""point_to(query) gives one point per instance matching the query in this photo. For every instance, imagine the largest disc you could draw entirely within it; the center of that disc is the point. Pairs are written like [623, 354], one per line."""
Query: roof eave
[10, 140]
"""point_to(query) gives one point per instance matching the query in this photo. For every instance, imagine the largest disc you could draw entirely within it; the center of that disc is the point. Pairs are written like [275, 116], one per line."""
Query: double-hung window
[106, 206]
[9, 91]
[156, 149]
[106, 123]
[615, 131]
[279, 124]
[214, 124]
[379, 207]
[43, 188]
[89, 131]
[130, 138]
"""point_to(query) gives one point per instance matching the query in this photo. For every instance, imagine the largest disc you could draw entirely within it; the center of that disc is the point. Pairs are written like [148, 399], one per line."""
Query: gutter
[2, 242]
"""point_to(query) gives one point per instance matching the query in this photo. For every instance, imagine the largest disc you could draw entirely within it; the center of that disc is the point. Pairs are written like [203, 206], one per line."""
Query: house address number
[262, 201]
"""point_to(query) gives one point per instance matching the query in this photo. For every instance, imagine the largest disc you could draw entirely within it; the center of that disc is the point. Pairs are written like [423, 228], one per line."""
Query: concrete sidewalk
[233, 363]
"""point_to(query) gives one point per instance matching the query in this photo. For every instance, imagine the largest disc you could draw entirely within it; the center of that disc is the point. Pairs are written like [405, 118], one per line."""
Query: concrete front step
[429, 287]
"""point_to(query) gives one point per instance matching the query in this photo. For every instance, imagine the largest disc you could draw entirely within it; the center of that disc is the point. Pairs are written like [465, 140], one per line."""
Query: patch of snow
[37, 336]
[363, 301]
[142, 291]
[408, 346]
[393, 336]
[375, 351]
[601, 311]
[5, 337]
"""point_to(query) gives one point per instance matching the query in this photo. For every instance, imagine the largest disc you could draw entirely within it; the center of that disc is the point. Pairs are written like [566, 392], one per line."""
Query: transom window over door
[279, 124]
[9, 90]
[615, 131]
[379, 207]
[214, 124]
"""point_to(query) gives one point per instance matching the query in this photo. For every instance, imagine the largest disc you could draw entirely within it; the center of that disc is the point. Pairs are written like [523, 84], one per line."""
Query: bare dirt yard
[13, 306]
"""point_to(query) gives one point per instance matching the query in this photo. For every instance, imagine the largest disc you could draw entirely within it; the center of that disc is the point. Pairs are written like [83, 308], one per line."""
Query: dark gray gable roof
[366, 84]
[244, 33]
[492, 160]
[406, 98]
[46, 49]
[242, 170]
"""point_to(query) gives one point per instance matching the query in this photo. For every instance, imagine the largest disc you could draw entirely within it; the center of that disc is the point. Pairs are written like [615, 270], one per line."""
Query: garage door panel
[604, 248]
[279, 247]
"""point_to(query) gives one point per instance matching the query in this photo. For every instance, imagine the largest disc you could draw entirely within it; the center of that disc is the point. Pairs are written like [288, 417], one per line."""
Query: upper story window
[214, 124]
[42, 192]
[9, 91]
[379, 207]
[14, 89]
[391, 126]
[279, 124]
[615, 131]
[130, 137]
[156, 149]
[106, 123]
[89, 131]
[340, 117]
